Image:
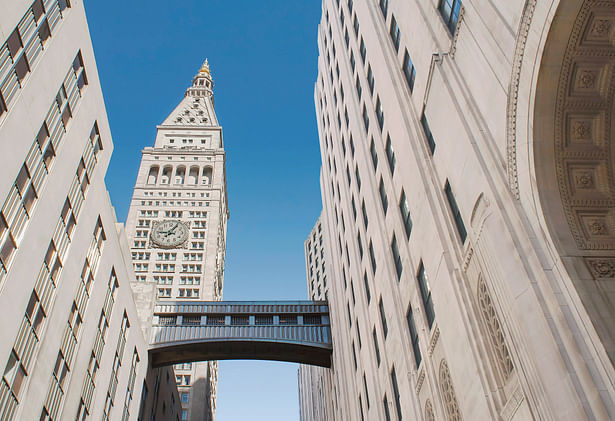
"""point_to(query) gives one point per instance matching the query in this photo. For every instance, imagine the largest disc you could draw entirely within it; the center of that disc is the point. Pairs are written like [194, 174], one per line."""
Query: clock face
[169, 233]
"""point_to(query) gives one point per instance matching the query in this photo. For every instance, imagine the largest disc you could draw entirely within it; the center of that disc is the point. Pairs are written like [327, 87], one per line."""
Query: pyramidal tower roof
[197, 107]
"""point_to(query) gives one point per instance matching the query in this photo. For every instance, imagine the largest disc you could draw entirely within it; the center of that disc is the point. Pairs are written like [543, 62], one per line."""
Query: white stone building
[468, 198]
[177, 220]
[72, 347]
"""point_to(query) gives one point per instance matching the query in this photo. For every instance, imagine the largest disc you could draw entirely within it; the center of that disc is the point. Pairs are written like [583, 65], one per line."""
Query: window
[395, 33]
[368, 294]
[385, 403]
[360, 244]
[396, 257]
[425, 295]
[354, 208]
[372, 257]
[449, 9]
[404, 209]
[352, 63]
[390, 154]
[376, 347]
[384, 7]
[430, 140]
[355, 24]
[414, 337]
[364, 212]
[396, 393]
[374, 154]
[383, 196]
[379, 113]
[409, 71]
[365, 119]
[357, 176]
[461, 228]
[366, 391]
[370, 78]
[362, 50]
[383, 318]
[358, 86]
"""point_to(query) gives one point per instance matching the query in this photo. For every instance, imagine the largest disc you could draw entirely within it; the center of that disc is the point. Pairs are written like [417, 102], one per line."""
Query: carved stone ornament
[601, 267]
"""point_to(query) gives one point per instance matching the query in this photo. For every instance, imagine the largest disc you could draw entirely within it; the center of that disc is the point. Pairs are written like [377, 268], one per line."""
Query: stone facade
[181, 188]
[467, 201]
[72, 344]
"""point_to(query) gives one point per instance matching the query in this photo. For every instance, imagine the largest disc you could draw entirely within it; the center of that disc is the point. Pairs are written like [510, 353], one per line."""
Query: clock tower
[177, 220]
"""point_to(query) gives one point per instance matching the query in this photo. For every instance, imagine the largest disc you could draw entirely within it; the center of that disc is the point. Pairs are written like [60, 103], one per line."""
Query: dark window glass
[414, 337]
[390, 154]
[396, 395]
[351, 146]
[364, 212]
[346, 37]
[404, 209]
[366, 391]
[358, 177]
[376, 347]
[383, 196]
[370, 78]
[409, 71]
[358, 86]
[362, 50]
[383, 318]
[14, 43]
[379, 113]
[354, 357]
[368, 293]
[356, 25]
[354, 208]
[43, 31]
[430, 140]
[384, 7]
[349, 316]
[21, 67]
[374, 154]
[461, 228]
[350, 4]
[372, 256]
[395, 33]
[385, 402]
[397, 258]
[365, 119]
[37, 9]
[449, 9]
[425, 295]
[360, 244]
[352, 63]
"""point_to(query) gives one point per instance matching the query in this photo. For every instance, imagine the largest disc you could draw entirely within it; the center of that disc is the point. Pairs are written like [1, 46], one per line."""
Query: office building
[468, 207]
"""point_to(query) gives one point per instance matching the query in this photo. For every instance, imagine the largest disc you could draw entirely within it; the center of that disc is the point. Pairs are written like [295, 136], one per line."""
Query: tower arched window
[180, 174]
[166, 175]
[448, 394]
[152, 177]
[193, 176]
[494, 329]
[207, 173]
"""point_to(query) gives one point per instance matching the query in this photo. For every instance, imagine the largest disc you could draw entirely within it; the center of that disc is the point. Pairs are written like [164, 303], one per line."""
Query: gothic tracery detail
[448, 394]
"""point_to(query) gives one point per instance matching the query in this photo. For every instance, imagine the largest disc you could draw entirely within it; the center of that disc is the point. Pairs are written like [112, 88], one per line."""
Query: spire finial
[205, 68]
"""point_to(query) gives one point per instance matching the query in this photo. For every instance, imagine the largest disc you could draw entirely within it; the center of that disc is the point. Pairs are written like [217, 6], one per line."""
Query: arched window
[180, 174]
[152, 177]
[494, 328]
[207, 172]
[193, 176]
[166, 175]
[429, 415]
[448, 393]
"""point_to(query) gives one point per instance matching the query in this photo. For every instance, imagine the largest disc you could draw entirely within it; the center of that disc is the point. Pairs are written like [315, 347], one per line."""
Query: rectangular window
[374, 154]
[364, 212]
[362, 50]
[354, 208]
[368, 293]
[366, 391]
[384, 7]
[379, 113]
[461, 228]
[372, 257]
[383, 196]
[395, 33]
[383, 318]
[376, 347]
[409, 71]
[404, 209]
[396, 257]
[357, 176]
[370, 79]
[365, 119]
[449, 9]
[396, 393]
[390, 154]
[430, 140]
[385, 403]
[349, 316]
[360, 244]
[354, 357]
[355, 24]
[425, 294]
[358, 86]
[414, 337]
[352, 63]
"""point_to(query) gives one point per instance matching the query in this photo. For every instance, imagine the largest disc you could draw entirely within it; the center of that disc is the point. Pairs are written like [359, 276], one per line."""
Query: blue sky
[263, 56]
